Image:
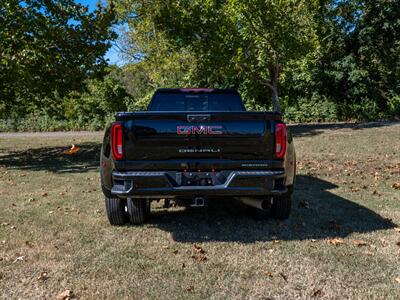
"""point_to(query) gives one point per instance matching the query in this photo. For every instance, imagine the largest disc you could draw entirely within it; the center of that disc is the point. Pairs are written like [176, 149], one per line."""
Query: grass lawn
[341, 241]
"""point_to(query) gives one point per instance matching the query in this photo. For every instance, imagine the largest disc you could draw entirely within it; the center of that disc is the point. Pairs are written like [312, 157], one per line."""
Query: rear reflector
[280, 140]
[116, 140]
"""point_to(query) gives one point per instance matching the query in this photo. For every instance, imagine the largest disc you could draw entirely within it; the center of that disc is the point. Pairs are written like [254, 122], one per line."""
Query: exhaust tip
[262, 204]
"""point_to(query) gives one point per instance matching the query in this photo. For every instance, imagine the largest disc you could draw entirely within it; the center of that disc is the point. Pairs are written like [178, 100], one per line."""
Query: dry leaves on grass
[43, 276]
[335, 242]
[316, 293]
[269, 274]
[29, 244]
[284, 277]
[73, 150]
[190, 288]
[199, 257]
[396, 185]
[360, 243]
[199, 249]
[19, 258]
[66, 295]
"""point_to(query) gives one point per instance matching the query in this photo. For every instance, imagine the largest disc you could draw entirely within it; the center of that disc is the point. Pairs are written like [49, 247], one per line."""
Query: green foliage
[315, 109]
[394, 105]
[96, 107]
[336, 59]
[91, 110]
[47, 48]
[327, 60]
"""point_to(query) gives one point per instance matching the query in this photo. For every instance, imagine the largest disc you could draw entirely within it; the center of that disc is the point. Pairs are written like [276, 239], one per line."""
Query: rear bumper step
[172, 184]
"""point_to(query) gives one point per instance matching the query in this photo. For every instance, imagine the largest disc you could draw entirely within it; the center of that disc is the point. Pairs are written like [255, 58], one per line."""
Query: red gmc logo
[199, 130]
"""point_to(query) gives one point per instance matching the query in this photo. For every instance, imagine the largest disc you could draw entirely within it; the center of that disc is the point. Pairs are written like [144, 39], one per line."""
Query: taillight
[116, 140]
[280, 140]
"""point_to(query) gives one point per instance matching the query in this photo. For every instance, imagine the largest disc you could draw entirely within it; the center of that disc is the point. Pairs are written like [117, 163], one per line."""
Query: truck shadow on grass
[317, 214]
[302, 130]
[53, 159]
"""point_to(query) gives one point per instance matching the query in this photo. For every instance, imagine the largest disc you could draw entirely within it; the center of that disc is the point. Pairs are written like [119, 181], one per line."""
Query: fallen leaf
[396, 185]
[190, 288]
[44, 194]
[313, 240]
[175, 252]
[360, 243]
[13, 227]
[4, 224]
[284, 277]
[268, 273]
[199, 249]
[398, 279]
[317, 293]
[43, 276]
[74, 149]
[335, 242]
[200, 257]
[65, 295]
[397, 229]
[29, 244]
[19, 258]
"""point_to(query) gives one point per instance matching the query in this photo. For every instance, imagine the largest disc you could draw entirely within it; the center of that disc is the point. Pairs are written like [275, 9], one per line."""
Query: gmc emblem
[210, 130]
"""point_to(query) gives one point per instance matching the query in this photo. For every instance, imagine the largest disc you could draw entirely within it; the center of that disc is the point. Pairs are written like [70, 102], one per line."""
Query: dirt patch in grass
[340, 242]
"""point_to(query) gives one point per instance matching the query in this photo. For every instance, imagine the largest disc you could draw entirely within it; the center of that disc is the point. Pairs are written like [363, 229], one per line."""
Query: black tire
[138, 210]
[281, 206]
[116, 213]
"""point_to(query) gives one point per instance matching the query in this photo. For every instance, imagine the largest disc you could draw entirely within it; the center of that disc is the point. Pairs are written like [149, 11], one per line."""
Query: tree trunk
[275, 96]
[274, 75]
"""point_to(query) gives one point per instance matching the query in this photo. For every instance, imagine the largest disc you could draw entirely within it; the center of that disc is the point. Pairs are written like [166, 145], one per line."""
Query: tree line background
[325, 60]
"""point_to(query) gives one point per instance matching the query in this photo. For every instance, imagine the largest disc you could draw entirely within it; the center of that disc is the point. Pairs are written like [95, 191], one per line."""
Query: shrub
[316, 109]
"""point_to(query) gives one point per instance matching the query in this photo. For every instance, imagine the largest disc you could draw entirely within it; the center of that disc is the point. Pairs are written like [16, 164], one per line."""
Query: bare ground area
[341, 242]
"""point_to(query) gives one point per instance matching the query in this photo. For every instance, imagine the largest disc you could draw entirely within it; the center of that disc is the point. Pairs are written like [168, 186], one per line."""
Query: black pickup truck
[194, 146]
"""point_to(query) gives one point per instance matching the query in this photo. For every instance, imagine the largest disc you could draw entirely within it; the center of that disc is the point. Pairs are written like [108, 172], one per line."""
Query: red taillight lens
[116, 141]
[280, 140]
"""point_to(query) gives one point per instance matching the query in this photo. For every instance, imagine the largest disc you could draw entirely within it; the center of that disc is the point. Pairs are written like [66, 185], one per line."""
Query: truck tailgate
[212, 135]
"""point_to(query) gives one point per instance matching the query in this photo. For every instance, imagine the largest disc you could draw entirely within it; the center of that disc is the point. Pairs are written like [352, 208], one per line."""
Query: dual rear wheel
[137, 211]
[120, 211]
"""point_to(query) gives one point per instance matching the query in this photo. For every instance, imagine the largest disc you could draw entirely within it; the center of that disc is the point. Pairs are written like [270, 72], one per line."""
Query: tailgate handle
[198, 118]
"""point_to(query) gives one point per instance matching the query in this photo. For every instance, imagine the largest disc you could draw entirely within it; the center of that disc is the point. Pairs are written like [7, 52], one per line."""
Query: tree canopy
[340, 55]
[50, 46]
[324, 60]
